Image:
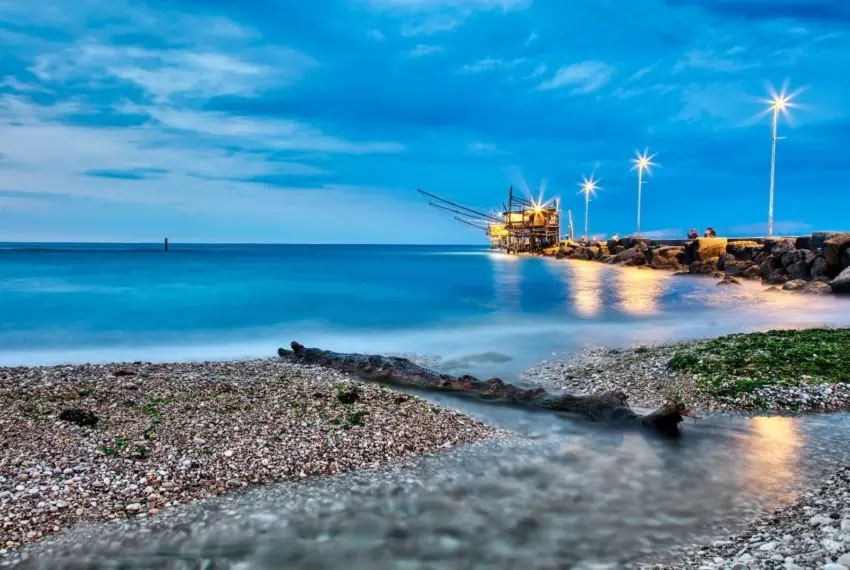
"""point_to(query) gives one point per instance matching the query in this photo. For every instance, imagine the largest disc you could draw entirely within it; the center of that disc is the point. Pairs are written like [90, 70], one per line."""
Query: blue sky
[285, 121]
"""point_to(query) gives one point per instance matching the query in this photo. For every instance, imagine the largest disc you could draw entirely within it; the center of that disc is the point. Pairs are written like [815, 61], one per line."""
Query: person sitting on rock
[693, 234]
[709, 232]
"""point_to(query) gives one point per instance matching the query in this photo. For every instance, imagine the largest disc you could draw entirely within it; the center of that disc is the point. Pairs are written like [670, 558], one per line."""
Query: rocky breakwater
[817, 264]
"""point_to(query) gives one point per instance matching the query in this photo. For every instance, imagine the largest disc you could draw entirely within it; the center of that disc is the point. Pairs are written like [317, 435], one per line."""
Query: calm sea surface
[92, 303]
[569, 495]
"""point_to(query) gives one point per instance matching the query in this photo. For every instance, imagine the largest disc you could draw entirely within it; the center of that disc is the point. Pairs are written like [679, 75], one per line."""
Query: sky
[283, 121]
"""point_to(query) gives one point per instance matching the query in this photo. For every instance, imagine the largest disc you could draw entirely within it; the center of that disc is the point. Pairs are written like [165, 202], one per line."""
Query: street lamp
[589, 186]
[779, 103]
[642, 162]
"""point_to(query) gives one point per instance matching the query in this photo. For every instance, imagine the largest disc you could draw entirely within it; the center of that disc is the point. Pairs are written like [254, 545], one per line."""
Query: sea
[472, 309]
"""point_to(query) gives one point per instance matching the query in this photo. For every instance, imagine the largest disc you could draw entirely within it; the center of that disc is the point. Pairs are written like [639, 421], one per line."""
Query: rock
[669, 251]
[834, 248]
[704, 249]
[798, 270]
[625, 255]
[728, 281]
[817, 288]
[844, 560]
[845, 259]
[779, 246]
[768, 266]
[833, 566]
[777, 276]
[803, 242]
[79, 416]
[744, 250]
[724, 260]
[794, 285]
[703, 267]
[791, 257]
[821, 269]
[639, 258]
[133, 507]
[660, 262]
[819, 238]
[841, 284]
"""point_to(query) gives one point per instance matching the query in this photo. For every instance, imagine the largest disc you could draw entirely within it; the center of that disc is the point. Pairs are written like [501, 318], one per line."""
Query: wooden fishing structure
[522, 225]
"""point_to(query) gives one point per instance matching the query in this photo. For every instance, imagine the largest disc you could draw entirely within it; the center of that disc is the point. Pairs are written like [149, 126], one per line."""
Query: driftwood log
[610, 406]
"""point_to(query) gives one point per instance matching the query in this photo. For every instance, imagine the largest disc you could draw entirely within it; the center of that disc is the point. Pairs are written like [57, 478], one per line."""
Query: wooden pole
[166, 244]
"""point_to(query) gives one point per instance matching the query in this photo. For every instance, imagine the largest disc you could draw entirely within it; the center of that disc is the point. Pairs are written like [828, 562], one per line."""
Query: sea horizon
[484, 312]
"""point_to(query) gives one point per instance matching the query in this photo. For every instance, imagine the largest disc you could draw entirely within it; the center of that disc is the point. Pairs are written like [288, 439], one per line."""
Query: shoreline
[102, 442]
[213, 420]
[818, 264]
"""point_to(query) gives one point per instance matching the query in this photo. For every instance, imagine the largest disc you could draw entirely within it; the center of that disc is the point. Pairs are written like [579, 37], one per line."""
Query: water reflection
[585, 287]
[506, 280]
[638, 291]
[771, 457]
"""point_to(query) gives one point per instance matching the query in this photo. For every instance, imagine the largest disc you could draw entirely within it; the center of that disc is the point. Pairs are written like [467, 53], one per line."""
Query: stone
[705, 249]
[845, 259]
[844, 560]
[833, 566]
[817, 288]
[791, 257]
[834, 248]
[625, 255]
[821, 270]
[794, 285]
[777, 276]
[79, 417]
[660, 262]
[819, 238]
[744, 250]
[779, 246]
[841, 284]
[803, 242]
[768, 266]
[798, 270]
[724, 260]
[728, 281]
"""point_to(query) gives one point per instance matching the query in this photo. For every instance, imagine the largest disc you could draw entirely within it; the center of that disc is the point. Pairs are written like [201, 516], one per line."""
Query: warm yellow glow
[589, 186]
[772, 454]
[538, 209]
[639, 290]
[643, 162]
[585, 286]
[780, 101]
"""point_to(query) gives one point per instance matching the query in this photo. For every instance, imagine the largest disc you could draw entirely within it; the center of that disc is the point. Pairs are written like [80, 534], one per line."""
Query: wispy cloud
[642, 72]
[481, 147]
[490, 64]
[709, 60]
[531, 38]
[422, 50]
[431, 25]
[585, 77]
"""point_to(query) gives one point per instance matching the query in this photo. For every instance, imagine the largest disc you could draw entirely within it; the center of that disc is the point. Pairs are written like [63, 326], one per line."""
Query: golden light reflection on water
[506, 280]
[771, 456]
[584, 282]
[638, 291]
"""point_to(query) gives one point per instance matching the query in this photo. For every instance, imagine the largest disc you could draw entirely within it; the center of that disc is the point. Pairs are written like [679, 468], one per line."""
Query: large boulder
[768, 266]
[821, 270]
[744, 250]
[724, 260]
[704, 249]
[794, 285]
[799, 270]
[841, 284]
[669, 251]
[803, 242]
[834, 248]
[660, 262]
[845, 259]
[779, 246]
[593, 252]
[630, 242]
[819, 238]
[703, 267]
[790, 257]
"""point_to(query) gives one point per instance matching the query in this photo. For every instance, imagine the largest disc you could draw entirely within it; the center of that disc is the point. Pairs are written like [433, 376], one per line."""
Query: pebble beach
[102, 442]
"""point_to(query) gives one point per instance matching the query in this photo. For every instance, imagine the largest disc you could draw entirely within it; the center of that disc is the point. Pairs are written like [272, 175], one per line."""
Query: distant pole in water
[166, 244]
[641, 162]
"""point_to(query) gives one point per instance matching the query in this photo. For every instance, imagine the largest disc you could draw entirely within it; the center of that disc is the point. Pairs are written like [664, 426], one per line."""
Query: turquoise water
[89, 303]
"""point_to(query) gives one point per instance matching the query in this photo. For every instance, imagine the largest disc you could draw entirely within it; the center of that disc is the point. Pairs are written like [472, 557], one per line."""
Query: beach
[154, 436]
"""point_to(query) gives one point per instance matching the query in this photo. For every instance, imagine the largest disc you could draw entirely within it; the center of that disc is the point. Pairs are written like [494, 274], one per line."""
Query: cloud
[531, 38]
[585, 77]
[642, 72]
[423, 50]
[481, 148]
[708, 60]
[377, 35]
[419, 5]
[822, 11]
[489, 64]
[163, 74]
[431, 26]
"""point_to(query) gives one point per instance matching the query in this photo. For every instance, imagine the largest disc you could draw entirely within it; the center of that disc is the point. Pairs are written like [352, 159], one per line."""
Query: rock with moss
[834, 248]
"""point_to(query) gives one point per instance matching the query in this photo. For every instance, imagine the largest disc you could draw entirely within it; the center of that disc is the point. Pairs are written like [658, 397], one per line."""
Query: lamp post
[779, 104]
[642, 162]
[589, 186]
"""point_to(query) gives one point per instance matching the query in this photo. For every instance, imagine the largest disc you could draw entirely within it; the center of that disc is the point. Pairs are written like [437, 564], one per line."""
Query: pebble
[244, 404]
